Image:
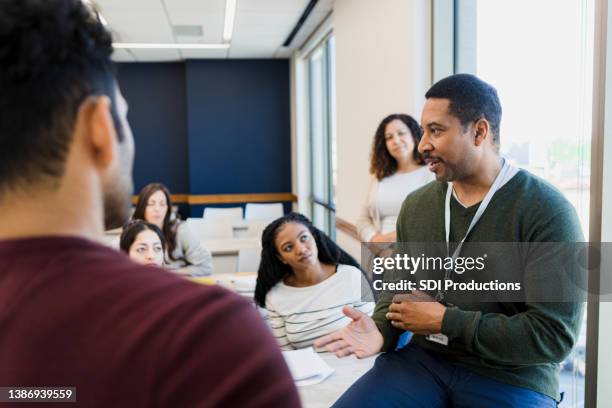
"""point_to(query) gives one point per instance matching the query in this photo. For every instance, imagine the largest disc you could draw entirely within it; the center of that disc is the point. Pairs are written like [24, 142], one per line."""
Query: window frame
[448, 59]
[317, 202]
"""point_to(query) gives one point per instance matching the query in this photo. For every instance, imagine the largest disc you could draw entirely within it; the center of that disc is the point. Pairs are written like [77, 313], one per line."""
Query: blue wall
[238, 114]
[210, 126]
[155, 93]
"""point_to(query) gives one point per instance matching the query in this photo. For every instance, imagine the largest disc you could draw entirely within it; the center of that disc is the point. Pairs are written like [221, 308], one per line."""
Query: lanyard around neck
[481, 209]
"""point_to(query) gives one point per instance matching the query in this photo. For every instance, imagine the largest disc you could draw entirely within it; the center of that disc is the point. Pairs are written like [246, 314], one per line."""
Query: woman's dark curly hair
[170, 227]
[382, 164]
[272, 270]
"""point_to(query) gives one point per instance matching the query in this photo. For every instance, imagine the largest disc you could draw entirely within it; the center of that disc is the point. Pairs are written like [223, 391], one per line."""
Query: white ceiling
[260, 28]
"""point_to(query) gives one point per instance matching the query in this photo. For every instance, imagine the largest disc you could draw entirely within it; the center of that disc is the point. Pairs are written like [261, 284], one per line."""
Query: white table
[225, 252]
[229, 246]
[227, 280]
[346, 371]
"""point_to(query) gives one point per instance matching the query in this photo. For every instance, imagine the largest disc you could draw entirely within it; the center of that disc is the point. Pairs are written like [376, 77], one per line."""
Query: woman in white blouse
[397, 170]
[305, 280]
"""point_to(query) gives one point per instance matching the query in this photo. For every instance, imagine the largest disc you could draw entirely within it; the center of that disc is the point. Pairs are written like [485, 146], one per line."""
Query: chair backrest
[266, 212]
[228, 213]
[248, 259]
[211, 229]
[254, 228]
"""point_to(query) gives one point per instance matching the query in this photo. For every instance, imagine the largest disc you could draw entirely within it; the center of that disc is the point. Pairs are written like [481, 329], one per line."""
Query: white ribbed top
[299, 316]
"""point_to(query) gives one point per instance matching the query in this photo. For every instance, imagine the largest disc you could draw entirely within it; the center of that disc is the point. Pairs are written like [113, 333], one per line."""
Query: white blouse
[299, 316]
[393, 190]
[384, 201]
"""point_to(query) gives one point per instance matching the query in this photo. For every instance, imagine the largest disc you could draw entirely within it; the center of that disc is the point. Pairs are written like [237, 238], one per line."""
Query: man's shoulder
[539, 210]
[159, 319]
[95, 273]
[530, 181]
[537, 193]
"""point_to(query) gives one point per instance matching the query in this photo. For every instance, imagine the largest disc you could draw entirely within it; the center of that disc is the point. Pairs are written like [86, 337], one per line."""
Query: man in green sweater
[465, 352]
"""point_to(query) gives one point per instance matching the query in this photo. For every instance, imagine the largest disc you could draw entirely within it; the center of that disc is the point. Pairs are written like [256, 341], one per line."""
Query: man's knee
[398, 379]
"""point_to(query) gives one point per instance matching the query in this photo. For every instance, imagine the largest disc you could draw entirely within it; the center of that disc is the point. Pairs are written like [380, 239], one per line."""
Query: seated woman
[304, 281]
[143, 242]
[184, 253]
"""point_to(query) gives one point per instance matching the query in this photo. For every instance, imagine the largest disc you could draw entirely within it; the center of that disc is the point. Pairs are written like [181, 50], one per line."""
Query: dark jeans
[412, 377]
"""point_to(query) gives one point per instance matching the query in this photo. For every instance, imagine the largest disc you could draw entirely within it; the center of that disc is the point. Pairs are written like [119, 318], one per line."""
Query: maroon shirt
[75, 313]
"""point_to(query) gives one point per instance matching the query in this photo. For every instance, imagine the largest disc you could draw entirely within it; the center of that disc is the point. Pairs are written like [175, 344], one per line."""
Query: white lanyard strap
[501, 176]
[481, 208]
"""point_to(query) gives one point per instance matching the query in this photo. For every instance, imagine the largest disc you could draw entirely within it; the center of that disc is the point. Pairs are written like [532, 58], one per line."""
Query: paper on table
[307, 367]
[244, 283]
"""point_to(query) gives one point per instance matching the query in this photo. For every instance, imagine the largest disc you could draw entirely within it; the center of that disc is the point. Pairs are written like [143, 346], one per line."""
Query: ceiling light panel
[208, 14]
[229, 20]
[188, 30]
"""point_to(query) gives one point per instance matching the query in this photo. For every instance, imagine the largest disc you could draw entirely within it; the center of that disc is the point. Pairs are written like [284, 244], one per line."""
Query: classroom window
[539, 56]
[321, 92]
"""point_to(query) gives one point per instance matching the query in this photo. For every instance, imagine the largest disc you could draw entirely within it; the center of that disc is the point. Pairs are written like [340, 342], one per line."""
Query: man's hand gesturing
[360, 337]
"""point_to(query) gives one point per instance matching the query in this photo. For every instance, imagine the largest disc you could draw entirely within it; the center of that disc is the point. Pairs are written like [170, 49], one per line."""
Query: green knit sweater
[517, 343]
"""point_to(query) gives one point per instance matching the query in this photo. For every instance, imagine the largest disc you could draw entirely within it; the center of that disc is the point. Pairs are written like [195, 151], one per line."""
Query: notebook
[307, 367]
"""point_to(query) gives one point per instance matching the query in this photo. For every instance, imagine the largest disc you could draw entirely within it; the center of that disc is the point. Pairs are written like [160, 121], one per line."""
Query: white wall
[383, 66]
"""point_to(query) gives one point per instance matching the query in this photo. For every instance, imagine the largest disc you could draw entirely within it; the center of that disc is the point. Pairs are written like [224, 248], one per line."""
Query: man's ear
[482, 131]
[98, 129]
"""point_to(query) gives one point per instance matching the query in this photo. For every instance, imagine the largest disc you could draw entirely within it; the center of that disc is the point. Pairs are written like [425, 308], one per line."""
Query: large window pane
[322, 137]
[331, 51]
[539, 56]
[318, 124]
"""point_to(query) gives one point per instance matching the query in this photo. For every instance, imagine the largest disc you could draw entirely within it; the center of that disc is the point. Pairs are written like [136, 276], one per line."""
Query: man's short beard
[117, 195]
[119, 186]
[116, 208]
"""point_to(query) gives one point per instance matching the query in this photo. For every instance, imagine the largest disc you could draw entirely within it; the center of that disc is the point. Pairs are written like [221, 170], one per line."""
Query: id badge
[438, 338]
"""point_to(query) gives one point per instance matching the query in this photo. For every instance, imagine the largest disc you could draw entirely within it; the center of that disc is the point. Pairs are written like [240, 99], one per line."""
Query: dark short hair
[382, 164]
[170, 227]
[131, 231]
[53, 55]
[470, 99]
[272, 270]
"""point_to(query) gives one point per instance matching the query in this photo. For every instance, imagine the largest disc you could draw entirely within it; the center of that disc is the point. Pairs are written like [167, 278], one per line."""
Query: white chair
[228, 213]
[211, 229]
[268, 212]
[254, 228]
[248, 259]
